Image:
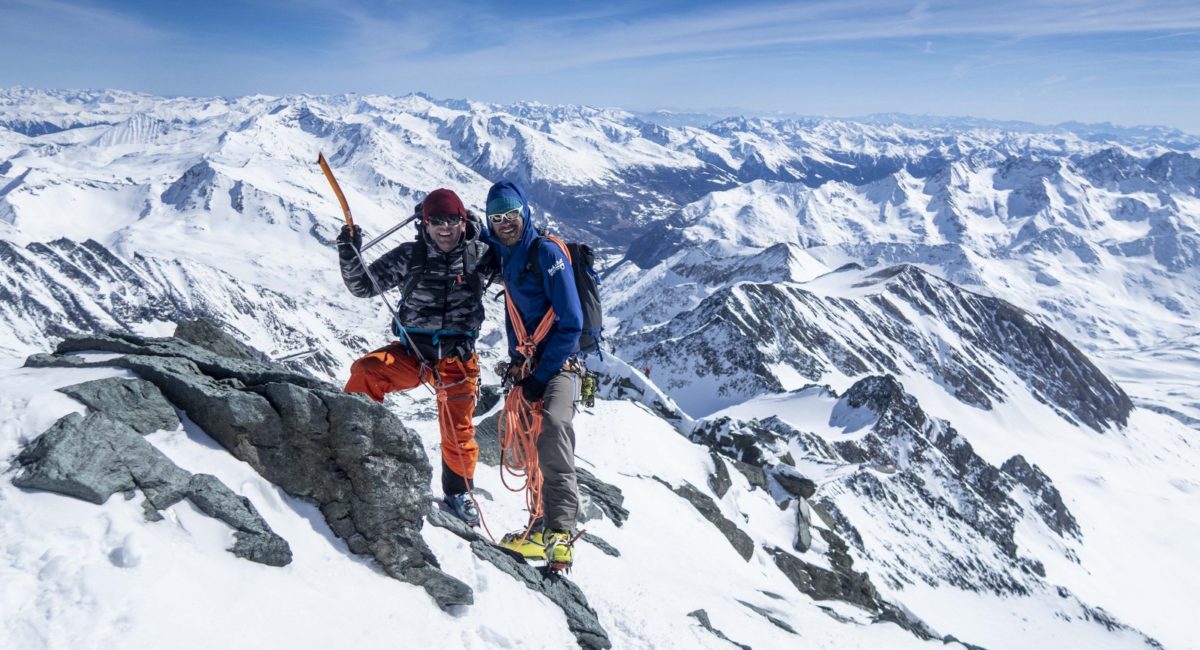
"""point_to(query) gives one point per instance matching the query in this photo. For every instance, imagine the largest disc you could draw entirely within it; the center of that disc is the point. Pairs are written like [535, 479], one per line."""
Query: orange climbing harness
[520, 422]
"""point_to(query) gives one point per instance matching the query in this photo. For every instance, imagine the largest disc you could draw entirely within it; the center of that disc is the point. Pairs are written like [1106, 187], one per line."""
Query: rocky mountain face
[952, 518]
[51, 290]
[754, 338]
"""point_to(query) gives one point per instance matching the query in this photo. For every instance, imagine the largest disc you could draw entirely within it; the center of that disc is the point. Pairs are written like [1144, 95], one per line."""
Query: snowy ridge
[62, 287]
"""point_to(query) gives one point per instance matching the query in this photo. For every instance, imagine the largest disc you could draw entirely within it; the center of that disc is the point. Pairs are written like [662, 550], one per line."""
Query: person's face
[446, 231]
[507, 227]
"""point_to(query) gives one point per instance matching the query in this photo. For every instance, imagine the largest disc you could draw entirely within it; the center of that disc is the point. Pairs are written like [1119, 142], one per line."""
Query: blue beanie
[503, 203]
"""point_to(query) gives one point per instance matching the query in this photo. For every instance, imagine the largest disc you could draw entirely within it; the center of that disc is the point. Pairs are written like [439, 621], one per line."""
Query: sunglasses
[511, 215]
[443, 220]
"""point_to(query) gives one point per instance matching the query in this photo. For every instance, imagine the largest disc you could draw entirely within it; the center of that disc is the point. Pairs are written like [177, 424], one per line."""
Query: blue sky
[1126, 61]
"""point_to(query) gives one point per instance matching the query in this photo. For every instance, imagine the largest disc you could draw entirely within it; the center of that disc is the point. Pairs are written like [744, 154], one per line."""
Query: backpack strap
[534, 262]
[415, 269]
[527, 344]
[471, 260]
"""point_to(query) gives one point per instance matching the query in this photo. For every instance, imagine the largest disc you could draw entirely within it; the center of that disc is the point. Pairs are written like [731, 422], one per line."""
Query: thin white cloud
[588, 40]
[58, 23]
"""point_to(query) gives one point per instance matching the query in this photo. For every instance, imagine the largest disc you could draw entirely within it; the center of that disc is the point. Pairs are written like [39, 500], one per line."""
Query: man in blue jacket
[537, 278]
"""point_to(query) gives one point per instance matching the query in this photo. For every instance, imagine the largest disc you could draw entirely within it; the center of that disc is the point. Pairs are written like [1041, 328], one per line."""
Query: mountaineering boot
[463, 507]
[532, 548]
[559, 551]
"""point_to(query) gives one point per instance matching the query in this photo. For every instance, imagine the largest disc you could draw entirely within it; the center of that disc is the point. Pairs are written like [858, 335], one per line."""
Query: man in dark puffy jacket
[441, 278]
[538, 278]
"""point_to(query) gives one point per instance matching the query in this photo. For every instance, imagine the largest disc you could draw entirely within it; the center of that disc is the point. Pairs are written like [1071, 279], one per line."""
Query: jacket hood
[510, 190]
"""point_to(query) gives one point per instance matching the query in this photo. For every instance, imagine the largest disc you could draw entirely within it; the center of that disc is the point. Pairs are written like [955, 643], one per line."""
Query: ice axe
[337, 189]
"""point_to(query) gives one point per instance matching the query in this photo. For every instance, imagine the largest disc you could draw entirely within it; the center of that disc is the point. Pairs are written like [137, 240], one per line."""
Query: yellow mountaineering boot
[533, 547]
[558, 549]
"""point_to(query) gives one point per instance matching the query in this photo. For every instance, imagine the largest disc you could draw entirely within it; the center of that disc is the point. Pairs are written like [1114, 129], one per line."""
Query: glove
[532, 389]
[349, 240]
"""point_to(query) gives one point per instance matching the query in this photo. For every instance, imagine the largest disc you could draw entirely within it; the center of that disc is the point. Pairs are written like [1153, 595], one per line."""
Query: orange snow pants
[395, 368]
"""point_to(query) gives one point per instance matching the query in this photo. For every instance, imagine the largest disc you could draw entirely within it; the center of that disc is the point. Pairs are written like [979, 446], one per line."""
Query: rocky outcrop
[719, 481]
[704, 504]
[938, 483]
[702, 616]
[1046, 498]
[767, 614]
[96, 456]
[953, 516]
[842, 583]
[366, 471]
[135, 402]
[606, 497]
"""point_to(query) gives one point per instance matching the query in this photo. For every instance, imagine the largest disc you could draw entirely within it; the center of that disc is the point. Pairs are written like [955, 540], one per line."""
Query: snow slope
[81, 576]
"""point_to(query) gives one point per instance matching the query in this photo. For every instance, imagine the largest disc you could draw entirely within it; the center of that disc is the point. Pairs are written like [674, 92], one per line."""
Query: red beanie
[442, 202]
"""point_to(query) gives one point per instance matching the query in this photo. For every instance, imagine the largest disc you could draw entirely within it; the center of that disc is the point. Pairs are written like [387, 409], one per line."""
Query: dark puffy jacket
[534, 294]
[444, 310]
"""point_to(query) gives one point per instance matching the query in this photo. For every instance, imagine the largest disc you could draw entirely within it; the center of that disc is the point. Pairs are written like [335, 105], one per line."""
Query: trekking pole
[388, 232]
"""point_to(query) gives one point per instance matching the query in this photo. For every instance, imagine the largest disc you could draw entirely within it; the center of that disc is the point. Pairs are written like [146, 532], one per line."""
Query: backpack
[587, 283]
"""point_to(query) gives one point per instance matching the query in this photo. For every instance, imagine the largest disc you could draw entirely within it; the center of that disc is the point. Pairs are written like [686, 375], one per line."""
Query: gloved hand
[532, 389]
[349, 240]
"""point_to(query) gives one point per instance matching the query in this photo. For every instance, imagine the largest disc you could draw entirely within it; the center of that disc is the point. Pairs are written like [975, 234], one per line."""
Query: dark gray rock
[94, 457]
[604, 495]
[949, 638]
[209, 335]
[365, 470]
[1047, 500]
[766, 613]
[43, 360]
[136, 402]
[489, 396]
[842, 583]
[255, 540]
[719, 480]
[744, 442]
[793, 482]
[755, 475]
[804, 515]
[702, 616]
[581, 618]
[487, 436]
[740, 541]
[605, 547]
[212, 365]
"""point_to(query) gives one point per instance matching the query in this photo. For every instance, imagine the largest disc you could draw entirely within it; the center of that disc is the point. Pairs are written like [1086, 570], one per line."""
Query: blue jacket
[534, 295]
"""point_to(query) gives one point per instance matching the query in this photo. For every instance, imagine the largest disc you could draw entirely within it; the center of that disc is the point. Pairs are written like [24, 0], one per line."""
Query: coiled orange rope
[521, 421]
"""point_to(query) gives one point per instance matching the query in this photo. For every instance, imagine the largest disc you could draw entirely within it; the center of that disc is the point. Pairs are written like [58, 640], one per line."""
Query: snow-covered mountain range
[951, 363]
